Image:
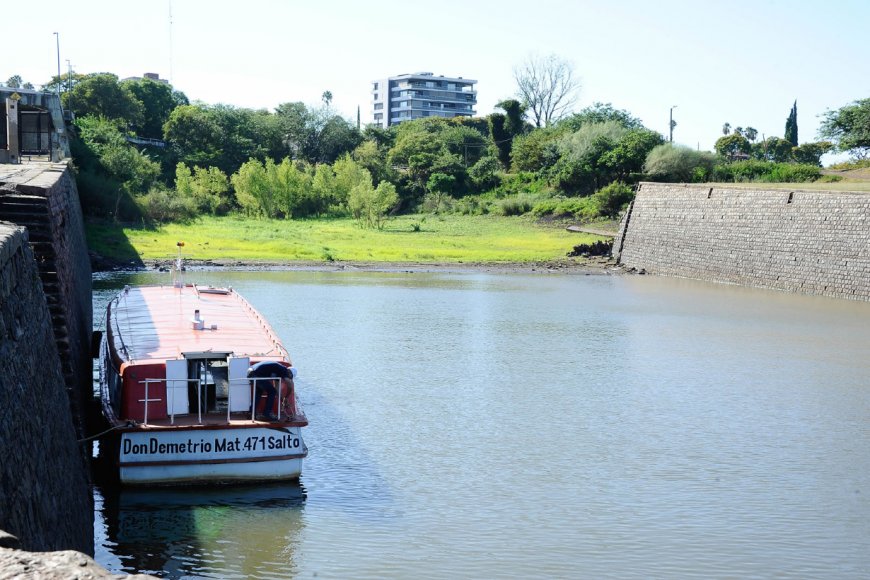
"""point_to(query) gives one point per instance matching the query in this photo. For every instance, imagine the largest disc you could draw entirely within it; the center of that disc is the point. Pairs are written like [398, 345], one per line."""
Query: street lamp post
[57, 41]
[69, 86]
[671, 125]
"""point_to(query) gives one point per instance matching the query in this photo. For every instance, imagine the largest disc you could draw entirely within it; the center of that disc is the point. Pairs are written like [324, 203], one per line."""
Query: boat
[175, 390]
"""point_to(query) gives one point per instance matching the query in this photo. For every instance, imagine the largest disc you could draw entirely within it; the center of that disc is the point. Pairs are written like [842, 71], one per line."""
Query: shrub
[545, 207]
[513, 206]
[668, 162]
[485, 173]
[160, 205]
[471, 205]
[765, 172]
[522, 182]
[792, 172]
[576, 207]
[609, 200]
[437, 203]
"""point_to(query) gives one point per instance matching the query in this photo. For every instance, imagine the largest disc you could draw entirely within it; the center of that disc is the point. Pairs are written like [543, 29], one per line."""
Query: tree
[101, 95]
[158, 100]
[348, 174]
[252, 188]
[327, 98]
[316, 135]
[112, 172]
[439, 186]
[209, 188]
[370, 156]
[732, 146]
[336, 137]
[849, 128]
[750, 133]
[726, 128]
[514, 111]
[370, 205]
[63, 83]
[547, 87]
[811, 153]
[504, 127]
[773, 149]
[195, 135]
[435, 145]
[629, 154]
[288, 185]
[14, 82]
[296, 122]
[537, 149]
[791, 127]
[485, 173]
[601, 113]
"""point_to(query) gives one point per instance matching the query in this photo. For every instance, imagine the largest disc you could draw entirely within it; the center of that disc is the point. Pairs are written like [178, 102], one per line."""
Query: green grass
[440, 239]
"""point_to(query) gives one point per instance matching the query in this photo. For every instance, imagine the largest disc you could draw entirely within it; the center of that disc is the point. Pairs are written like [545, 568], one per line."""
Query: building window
[379, 106]
[375, 87]
[376, 96]
[379, 116]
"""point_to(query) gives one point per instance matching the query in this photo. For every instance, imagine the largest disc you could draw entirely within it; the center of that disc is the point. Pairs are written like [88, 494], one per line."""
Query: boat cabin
[182, 354]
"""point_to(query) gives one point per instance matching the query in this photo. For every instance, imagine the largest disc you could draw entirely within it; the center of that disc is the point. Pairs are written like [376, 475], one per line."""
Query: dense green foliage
[302, 161]
[791, 126]
[765, 171]
[669, 162]
[849, 128]
[110, 171]
[741, 145]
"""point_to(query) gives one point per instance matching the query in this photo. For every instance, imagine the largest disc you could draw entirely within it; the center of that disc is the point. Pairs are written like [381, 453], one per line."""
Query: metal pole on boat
[253, 400]
[177, 275]
[171, 400]
[199, 399]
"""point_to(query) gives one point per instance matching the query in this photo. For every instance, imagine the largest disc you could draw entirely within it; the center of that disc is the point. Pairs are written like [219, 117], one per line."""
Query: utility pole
[672, 124]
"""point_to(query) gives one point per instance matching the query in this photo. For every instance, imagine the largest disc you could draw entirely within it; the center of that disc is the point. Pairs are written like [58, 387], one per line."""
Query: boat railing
[295, 406]
[171, 395]
[291, 396]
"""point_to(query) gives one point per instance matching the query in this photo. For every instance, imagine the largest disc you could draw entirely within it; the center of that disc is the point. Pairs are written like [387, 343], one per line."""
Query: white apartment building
[419, 95]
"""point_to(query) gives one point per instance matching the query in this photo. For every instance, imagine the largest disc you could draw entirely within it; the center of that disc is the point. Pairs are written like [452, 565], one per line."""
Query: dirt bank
[583, 266]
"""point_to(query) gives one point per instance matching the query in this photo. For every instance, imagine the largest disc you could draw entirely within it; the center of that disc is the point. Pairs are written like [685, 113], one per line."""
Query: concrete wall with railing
[812, 242]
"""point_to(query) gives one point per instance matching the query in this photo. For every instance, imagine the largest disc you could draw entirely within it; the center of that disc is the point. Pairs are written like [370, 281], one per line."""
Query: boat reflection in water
[248, 531]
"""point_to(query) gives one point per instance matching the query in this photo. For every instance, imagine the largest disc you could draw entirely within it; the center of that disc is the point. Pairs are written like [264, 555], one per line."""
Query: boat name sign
[212, 444]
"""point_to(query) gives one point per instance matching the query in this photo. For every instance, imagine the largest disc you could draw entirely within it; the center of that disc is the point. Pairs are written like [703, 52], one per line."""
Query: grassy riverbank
[417, 238]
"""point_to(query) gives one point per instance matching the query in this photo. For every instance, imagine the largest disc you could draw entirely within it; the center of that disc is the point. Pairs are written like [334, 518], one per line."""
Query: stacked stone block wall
[813, 242]
[44, 492]
[73, 270]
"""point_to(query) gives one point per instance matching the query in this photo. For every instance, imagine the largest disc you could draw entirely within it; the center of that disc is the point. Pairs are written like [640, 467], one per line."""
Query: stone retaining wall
[814, 242]
[46, 499]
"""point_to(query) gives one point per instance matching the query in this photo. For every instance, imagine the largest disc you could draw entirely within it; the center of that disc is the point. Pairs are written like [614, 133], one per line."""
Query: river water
[501, 425]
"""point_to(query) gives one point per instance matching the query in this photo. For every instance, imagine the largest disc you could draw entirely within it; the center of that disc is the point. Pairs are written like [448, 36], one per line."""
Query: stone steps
[32, 212]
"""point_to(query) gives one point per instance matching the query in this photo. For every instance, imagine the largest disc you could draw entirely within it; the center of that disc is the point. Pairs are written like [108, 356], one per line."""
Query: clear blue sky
[740, 61]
